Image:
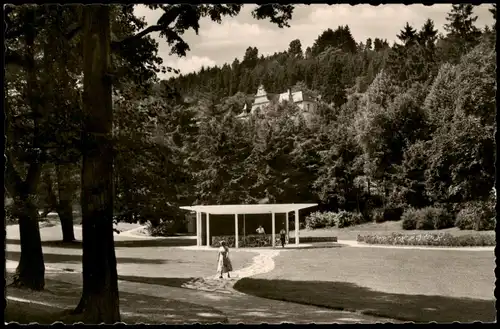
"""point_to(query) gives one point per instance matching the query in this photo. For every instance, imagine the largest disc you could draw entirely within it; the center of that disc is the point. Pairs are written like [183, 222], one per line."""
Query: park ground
[166, 280]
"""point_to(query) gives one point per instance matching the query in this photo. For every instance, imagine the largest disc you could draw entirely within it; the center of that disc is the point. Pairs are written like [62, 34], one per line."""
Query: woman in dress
[223, 262]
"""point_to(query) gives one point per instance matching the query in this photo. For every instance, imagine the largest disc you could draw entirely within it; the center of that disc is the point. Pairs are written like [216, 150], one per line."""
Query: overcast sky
[217, 44]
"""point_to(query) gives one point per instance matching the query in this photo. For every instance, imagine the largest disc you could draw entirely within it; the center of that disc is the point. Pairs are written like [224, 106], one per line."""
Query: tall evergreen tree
[462, 34]
[407, 35]
[461, 21]
[368, 45]
[427, 35]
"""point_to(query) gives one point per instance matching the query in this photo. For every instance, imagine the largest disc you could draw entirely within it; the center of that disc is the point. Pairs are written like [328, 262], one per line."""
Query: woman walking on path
[223, 261]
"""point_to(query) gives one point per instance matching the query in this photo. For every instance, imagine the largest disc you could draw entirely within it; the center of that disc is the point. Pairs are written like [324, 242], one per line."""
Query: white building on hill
[305, 102]
[299, 98]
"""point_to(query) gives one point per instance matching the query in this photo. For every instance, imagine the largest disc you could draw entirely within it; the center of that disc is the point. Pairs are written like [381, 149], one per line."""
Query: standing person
[283, 237]
[223, 261]
[262, 241]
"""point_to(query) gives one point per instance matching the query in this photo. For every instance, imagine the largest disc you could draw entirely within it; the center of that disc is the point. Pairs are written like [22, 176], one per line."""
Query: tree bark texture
[65, 205]
[30, 272]
[99, 302]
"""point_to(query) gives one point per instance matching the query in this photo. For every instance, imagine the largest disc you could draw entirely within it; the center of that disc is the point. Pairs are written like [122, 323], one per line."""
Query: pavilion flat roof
[231, 209]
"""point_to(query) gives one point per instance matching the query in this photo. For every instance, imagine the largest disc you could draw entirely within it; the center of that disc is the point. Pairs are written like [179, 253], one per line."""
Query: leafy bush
[424, 222]
[377, 215]
[410, 219]
[430, 239]
[428, 218]
[393, 213]
[479, 216]
[388, 213]
[165, 228]
[331, 219]
[441, 218]
[9, 216]
[320, 220]
[345, 218]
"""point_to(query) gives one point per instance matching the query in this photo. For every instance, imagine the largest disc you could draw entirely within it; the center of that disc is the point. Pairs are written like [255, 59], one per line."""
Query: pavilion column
[236, 236]
[198, 229]
[297, 227]
[208, 229]
[287, 227]
[200, 234]
[273, 229]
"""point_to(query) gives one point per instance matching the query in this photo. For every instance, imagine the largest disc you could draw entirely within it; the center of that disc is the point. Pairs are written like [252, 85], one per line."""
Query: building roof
[231, 209]
[296, 96]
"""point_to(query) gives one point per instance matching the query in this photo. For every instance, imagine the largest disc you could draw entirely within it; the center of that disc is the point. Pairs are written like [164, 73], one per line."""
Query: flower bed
[430, 239]
[255, 240]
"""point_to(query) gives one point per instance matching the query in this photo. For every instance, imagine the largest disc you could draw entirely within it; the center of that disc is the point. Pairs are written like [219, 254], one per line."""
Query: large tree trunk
[64, 207]
[30, 272]
[99, 302]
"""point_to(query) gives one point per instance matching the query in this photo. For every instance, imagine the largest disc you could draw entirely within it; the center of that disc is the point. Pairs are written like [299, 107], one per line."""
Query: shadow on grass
[63, 297]
[64, 258]
[346, 296]
[169, 282]
[143, 243]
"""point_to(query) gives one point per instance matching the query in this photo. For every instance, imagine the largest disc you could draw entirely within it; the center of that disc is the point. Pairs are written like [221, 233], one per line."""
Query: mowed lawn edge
[345, 296]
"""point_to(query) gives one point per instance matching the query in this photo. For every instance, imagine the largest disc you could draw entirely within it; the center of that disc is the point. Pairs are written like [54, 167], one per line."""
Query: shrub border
[430, 239]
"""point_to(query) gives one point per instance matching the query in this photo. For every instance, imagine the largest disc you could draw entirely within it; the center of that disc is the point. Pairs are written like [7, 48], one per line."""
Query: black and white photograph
[177, 163]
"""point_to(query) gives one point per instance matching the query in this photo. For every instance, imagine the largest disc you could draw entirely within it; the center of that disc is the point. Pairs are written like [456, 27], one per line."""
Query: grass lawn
[350, 297]
[408, 285]
[351, 233]
[144, 261]
[62, 297]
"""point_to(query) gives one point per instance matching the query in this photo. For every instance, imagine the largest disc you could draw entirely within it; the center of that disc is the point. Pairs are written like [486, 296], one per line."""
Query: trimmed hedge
[430, 239]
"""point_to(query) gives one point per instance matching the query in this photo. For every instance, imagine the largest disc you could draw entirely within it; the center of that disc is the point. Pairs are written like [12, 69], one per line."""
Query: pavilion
[236, 210]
